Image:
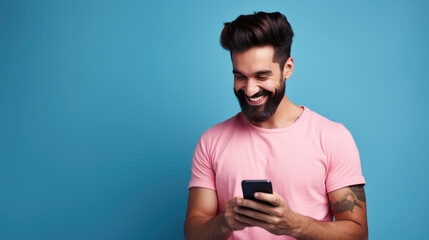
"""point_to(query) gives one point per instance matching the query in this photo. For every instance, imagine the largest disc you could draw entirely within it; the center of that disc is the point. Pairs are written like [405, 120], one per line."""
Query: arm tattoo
[349, 202]
[344, 205]
[359, 192]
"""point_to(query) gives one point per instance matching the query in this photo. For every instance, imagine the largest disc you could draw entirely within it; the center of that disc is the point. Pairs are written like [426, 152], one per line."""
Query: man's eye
[262, 77]
[239, 77]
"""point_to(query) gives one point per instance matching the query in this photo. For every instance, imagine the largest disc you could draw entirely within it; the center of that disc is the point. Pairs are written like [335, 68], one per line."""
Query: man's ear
[288, 68]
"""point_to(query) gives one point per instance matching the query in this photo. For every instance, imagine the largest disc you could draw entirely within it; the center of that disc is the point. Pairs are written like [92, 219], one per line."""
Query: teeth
[255, 99]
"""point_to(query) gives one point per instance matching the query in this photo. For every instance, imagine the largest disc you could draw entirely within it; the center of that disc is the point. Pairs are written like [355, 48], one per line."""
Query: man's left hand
[276, 218]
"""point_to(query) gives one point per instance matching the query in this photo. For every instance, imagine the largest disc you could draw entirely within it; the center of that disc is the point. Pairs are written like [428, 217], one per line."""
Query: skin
[254, 70]
[248, 67]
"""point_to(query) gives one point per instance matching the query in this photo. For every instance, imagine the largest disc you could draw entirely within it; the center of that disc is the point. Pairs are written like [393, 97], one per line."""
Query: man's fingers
[274, 198]
[251, 221]
[260, 207]
[255, 214]
[230, 214]
[253, 205]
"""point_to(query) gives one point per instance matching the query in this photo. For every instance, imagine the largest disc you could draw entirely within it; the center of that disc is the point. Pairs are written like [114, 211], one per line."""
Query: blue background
[103, 102]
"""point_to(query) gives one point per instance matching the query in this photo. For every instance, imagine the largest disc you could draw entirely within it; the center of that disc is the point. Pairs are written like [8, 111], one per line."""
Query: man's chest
[294, 165]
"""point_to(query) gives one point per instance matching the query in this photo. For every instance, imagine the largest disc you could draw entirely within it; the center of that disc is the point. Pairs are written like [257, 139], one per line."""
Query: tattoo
[359, 192]
[349, 202]
[344, 205]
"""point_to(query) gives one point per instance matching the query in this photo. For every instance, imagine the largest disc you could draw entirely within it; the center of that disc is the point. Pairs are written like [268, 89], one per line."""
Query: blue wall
[103, 102]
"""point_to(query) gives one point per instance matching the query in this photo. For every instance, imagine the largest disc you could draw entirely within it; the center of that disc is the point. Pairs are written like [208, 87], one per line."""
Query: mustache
[263, 92]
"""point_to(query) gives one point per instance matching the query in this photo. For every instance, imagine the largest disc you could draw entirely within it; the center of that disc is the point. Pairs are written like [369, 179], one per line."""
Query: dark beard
[263, 112]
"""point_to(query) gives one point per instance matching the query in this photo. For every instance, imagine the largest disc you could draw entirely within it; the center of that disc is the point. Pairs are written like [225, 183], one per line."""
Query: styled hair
[259, 29]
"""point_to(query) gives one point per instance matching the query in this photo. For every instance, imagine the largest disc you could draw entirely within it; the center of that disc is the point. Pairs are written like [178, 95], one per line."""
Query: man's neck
[287, 113]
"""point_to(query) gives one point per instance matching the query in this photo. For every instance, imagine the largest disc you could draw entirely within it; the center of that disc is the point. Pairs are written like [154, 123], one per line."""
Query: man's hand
[276, 218]
[348, 206]
[230, 216]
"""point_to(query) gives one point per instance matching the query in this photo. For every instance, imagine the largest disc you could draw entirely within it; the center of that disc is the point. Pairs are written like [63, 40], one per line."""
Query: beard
[261, 113]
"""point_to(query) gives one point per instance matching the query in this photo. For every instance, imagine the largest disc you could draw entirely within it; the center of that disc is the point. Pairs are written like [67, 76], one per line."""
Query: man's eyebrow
[263, 72]
[236, 72]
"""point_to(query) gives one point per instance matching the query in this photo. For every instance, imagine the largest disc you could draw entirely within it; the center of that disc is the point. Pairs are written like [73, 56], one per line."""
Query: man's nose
[251, 87]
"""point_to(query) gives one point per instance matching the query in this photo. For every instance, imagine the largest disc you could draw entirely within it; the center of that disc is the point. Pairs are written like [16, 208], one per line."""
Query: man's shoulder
[322, 123]
[227, 125]
[224, 129]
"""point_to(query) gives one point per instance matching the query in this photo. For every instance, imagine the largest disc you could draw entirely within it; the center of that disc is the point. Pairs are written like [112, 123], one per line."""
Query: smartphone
[249, 188]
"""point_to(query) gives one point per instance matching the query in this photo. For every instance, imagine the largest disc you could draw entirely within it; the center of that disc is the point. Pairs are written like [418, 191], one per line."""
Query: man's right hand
[230, 214]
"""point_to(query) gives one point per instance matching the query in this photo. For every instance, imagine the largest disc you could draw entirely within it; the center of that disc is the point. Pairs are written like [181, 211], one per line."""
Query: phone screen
[249, 188]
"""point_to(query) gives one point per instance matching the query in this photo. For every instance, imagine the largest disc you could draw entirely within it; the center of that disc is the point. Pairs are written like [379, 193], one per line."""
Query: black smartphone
[249, 188]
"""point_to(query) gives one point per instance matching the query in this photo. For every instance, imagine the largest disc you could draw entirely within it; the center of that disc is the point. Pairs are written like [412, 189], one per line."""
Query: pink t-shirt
[304, 161]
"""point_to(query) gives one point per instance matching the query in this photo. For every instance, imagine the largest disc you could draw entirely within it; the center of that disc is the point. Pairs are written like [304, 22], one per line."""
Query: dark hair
[259, 29]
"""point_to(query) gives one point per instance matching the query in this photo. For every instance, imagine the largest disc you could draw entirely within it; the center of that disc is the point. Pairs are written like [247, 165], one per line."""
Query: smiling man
[312, 162]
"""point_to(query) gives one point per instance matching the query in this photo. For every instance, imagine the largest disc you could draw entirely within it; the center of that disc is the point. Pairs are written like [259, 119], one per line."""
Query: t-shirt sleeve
[344, 167]
[202, 169]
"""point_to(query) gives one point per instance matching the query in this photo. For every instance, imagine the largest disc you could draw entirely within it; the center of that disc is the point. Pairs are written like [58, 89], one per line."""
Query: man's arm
[348, 205]
[202, 220]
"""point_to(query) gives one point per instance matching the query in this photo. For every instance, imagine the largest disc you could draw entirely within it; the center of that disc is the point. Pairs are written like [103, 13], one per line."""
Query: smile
[256, 100]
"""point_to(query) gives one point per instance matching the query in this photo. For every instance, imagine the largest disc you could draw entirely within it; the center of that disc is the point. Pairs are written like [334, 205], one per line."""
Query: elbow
[364, 233]
[186, 230]
[365, 236]
[190, 228]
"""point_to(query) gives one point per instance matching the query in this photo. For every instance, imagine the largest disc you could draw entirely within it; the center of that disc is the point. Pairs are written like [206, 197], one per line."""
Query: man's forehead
[256, 59]
[262, 52]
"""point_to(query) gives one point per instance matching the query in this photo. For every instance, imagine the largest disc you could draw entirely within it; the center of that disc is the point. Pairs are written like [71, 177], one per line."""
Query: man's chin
[256, 119]
[255, 113]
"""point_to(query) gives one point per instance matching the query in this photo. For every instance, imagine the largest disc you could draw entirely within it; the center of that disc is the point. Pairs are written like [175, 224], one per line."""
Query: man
[312, 162]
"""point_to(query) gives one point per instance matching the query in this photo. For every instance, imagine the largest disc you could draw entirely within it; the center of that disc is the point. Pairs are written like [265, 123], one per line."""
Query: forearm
[199, 227]
[310, 229]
